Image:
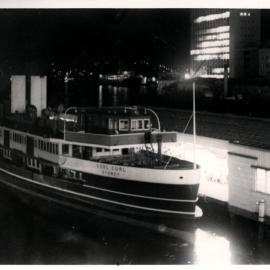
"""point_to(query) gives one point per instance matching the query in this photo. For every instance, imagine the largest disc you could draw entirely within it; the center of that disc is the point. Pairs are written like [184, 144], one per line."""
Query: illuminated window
[262, 181]
[218, 70]
[207, 44]
[133, 124]
[212, 17]
[216, 76]
[220, 29]
[210, 50]
[211, 57]
[215, 37]
[110, 123]
[123, 124]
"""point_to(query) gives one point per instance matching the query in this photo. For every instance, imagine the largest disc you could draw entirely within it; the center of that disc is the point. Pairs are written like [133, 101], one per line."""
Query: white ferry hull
[159, 204]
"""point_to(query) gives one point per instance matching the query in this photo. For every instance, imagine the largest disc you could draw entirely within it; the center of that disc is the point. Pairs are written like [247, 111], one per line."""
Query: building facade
[223, 38]
[264, 62]
[249, 181]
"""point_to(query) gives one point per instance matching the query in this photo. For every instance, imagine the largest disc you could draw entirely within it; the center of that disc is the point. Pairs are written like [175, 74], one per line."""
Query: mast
[194, 124]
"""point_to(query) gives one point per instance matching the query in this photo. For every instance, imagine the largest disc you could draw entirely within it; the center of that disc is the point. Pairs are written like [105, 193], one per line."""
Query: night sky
[36, 38]
[42, 36]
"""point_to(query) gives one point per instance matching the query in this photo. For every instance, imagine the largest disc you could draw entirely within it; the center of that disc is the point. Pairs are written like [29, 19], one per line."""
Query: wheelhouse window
[146, 124]
[110, 123]
[133, 124]
[123, 124]
[140, 124]
[262, 181]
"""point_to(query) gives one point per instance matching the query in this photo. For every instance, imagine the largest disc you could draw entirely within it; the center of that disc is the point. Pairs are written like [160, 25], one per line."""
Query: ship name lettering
[111, 170]
[110, 173]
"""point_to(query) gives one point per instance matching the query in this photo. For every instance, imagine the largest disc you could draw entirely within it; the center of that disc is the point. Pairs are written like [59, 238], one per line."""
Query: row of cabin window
[34, 163]
[48, 147]
[5, 153]
[72, 174]
[76, 150]
[18, 138]
[133, 124]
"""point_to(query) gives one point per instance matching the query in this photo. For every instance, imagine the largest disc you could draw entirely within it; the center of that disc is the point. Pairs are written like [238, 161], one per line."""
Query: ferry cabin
[96, 135]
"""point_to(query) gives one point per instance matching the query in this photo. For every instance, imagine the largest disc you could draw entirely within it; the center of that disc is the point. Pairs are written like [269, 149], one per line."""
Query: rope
[169, 160]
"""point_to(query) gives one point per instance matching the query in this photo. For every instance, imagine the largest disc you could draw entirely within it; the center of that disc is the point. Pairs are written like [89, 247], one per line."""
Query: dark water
[87, 94]
[29, 237]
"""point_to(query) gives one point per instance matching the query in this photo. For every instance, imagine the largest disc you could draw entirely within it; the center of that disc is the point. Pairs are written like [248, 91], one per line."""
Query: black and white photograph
[134, 135]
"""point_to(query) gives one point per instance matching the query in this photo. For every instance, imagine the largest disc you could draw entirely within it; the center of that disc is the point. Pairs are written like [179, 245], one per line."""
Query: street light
[69, 108]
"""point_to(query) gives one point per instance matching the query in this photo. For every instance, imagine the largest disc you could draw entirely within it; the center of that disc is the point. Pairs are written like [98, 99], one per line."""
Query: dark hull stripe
[95, 198]
[168, 191]
[140, 201]
[140, 196]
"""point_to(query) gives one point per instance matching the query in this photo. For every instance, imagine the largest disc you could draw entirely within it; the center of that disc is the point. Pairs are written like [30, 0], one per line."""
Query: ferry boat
[99, 160]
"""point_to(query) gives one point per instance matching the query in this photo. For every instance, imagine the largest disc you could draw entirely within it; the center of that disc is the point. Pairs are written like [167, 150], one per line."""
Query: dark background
[37, 37]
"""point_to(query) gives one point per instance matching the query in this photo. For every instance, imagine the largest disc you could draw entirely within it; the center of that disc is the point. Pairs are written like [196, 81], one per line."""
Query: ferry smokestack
[38, 96]
[18, 93]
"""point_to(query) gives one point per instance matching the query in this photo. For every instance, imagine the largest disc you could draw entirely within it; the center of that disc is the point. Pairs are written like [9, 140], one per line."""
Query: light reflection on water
[27, 237]
[210, 248]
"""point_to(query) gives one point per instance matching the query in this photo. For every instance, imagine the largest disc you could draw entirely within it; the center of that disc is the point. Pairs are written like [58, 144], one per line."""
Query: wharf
[243, 130]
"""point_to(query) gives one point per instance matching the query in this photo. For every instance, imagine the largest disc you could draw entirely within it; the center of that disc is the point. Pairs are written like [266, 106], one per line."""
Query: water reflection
[113, 95]
[210, 248]
[29, 237]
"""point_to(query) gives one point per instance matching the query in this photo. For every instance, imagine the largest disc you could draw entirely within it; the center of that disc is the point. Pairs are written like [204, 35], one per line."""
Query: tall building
[225, 38]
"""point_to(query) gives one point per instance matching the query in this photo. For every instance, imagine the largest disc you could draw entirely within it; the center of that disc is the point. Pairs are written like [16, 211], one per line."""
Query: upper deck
[108, 126]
